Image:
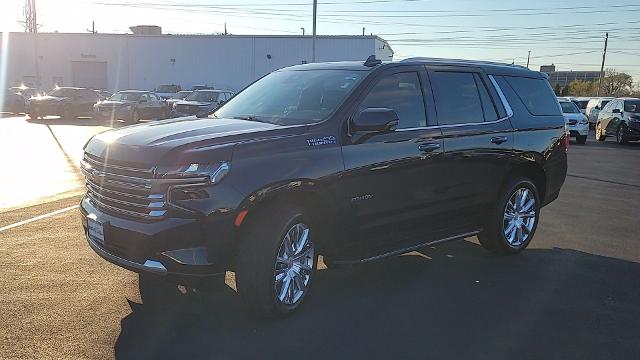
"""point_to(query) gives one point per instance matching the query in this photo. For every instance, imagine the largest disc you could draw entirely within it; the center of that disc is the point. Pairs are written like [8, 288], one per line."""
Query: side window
[535, 94]
[488, 106]
[402, 93]
[609, 106]
[457, 98]
[155, 97]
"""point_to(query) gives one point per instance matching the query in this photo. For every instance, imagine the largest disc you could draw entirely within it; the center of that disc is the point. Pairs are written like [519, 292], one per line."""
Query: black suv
[355, 161]
[66, 102]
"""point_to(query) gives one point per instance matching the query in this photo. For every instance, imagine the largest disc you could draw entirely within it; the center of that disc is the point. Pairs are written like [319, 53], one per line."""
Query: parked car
[131, 106]
[594, 106]
[167, 91]
[66, 102]
[577, 122]
[103, 94]
[200, 101]
[581, 103]
[621, 118]
[12, 102]
[355, 161]
[201, 87]
[180, 95]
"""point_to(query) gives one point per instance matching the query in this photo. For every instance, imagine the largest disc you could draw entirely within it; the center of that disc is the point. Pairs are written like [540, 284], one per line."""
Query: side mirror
[375, 120]
[616, 111]
[220, 102]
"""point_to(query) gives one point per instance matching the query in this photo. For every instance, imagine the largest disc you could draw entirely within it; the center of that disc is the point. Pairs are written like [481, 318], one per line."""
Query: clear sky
[569, 33]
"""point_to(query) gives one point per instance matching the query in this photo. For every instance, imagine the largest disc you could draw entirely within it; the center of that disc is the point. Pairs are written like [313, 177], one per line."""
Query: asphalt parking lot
[573, 294]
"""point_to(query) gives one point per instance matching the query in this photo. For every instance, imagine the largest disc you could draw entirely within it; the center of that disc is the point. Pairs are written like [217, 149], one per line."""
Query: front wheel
[599, 133]
[515, 219]
[276, 261]
[621, 137]
[581, 139]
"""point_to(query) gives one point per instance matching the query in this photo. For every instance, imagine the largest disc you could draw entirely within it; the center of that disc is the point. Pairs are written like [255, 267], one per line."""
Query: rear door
[478, 143]
[392, 180]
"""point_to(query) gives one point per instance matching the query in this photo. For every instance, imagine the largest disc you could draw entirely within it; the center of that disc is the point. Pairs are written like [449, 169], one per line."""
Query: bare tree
[616, 83]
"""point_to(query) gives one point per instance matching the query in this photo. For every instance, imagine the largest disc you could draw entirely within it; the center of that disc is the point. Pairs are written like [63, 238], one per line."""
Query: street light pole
[315, 11]
[528, 57]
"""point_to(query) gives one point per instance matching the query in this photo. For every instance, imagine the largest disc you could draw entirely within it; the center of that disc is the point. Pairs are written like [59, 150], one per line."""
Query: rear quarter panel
[538, 139]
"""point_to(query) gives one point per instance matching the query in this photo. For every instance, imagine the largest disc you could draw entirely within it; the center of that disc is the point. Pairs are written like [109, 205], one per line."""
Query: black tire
[581, 139]
[66, 113]
[493, 236]
[621, 137]
[135, 117]
[256, 263]
[599, 135]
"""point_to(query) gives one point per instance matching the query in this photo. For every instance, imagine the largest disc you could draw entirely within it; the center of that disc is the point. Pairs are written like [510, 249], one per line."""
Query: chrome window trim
[503, 99]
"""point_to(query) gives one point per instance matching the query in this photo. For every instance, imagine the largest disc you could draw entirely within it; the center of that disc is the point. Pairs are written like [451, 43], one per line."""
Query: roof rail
[461, 60]
[372, 61]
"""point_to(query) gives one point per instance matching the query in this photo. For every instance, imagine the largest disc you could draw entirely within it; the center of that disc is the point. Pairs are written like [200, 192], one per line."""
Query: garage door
[90, 74]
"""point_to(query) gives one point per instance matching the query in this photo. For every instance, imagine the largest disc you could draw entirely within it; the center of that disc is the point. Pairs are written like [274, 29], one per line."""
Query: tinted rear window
[535, 94]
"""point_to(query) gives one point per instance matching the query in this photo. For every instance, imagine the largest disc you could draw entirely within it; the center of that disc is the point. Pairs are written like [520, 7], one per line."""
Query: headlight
[194, 174]
[584, 120]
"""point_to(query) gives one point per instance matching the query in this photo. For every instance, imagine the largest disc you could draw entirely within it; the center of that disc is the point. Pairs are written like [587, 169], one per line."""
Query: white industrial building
[134, 61]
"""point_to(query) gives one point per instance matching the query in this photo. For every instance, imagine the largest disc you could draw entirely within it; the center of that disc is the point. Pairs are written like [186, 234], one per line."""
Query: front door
[391, 179]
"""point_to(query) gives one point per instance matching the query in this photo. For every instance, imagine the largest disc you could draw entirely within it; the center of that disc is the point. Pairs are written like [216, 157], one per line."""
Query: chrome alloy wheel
[294, 265]
[519, 217]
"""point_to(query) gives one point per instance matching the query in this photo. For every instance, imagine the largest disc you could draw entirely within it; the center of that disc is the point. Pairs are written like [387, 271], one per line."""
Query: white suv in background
[577, 122]
[594, 106]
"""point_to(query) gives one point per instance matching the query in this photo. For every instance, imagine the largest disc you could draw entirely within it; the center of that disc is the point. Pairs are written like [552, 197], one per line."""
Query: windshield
[167, 88]
[126, 96]
[181, 95]
[582, 104]
[632, 106]
[61, 92]
[293, 97]
[569, 108]
[203, 96]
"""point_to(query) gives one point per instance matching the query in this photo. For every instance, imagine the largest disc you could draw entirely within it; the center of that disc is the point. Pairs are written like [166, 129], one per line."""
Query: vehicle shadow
[450, 301]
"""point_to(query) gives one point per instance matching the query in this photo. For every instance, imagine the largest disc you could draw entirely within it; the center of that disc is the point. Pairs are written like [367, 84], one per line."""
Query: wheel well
[314, 204]
[533, 172]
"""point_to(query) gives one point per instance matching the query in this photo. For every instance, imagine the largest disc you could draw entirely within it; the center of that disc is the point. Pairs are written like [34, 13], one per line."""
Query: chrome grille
[124, 190]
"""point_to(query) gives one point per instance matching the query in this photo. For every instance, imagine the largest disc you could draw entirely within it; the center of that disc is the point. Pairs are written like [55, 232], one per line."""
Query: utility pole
[225, 28]
[528, 57]
[604, 55]
[362, 31]
[315, 13]
[93, 27]
[302, 31]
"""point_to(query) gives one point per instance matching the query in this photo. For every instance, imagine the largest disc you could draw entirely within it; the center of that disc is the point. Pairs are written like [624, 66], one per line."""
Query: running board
[406, 250]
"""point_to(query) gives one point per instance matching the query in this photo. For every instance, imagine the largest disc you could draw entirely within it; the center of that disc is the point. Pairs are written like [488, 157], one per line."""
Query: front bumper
[156, 247]
[117, 113]
[44, 108]
[578, 129]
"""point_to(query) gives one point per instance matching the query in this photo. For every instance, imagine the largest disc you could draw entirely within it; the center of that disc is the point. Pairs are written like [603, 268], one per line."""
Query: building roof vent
[146, 30]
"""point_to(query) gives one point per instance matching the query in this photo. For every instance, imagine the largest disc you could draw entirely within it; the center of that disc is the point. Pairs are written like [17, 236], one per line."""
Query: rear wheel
[276, 261]
[512, 225]
[135, 117]
[599, 133]
[581, 139]
[621, 137]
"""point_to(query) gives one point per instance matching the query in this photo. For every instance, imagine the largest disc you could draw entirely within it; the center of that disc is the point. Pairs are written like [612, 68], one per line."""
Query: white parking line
[40, 217]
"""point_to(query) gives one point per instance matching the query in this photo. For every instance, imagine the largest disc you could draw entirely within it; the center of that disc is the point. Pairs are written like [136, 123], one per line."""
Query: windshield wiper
[248, 118]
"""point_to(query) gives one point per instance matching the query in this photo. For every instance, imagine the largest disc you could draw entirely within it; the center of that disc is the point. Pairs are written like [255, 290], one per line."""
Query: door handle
[499, 139]
[428, 147]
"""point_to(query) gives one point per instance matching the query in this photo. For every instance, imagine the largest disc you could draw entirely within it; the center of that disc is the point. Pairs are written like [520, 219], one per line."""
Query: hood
[47, 98]
[178, 141]
[112, 103]
[194, 103]
[577, 116]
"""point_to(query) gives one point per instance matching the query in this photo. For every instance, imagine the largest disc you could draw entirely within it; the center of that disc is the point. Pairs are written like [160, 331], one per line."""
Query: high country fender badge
[327, 140]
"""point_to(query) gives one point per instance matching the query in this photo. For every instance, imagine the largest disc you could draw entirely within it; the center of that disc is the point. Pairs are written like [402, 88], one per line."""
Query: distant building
[135, 61]
[563, 78]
